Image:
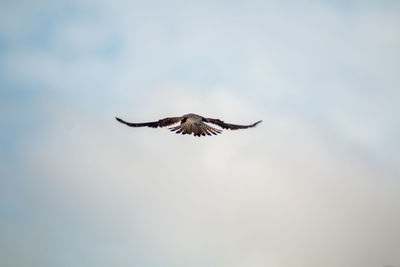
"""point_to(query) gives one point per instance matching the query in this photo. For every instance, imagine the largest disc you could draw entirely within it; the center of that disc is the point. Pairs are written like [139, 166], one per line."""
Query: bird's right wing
[154, 124]
[228, 125]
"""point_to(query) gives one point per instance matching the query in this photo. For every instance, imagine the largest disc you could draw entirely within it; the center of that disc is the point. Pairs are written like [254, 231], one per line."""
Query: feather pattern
[190, 123]
[228, 125]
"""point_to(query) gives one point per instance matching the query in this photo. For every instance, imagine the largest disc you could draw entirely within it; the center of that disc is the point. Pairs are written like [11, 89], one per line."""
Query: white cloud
[282, 195]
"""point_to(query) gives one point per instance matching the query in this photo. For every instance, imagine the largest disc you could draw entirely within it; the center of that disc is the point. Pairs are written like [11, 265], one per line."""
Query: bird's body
[193, 118]
[190, 123]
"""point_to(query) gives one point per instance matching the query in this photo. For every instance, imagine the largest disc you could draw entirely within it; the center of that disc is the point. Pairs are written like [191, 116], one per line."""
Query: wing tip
[255, 124]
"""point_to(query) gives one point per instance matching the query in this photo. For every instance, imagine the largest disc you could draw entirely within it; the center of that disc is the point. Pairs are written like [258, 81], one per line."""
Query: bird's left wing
[154, 124]
[228, 125]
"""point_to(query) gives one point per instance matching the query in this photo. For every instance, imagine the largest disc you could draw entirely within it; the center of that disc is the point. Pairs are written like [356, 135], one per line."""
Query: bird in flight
[190, 123]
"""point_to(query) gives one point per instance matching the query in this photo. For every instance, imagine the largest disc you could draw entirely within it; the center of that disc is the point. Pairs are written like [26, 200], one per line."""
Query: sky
[315, 184]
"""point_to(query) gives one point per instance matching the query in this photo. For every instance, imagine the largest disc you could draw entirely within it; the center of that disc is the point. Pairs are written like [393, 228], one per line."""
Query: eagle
[190, 123]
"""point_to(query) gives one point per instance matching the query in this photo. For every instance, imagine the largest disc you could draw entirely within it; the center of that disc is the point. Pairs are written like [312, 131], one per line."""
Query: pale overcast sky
[316, 184]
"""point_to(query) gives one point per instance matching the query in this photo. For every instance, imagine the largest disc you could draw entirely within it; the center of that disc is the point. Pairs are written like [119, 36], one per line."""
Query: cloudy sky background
[316, 184]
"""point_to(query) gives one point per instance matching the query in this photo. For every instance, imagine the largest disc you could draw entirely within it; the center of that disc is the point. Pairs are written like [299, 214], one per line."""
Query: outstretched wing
[154, 124]
[228, 125]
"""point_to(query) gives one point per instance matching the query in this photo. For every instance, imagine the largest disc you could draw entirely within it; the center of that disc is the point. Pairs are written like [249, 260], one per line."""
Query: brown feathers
[229, 126]
[154, 124]
[198, 130]
[190, 123]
